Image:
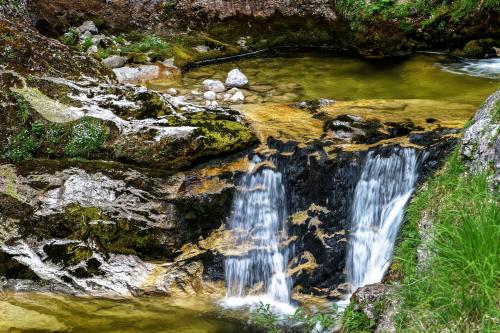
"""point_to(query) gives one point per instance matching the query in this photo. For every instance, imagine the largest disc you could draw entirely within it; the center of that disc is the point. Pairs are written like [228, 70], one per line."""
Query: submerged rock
[213, 85]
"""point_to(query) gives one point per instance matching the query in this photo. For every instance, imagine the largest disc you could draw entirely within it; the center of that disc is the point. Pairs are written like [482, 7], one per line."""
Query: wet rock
[172, 91]
[236, 78]
[238, 97]
[209, 96]
[202, 48]
[87, 26]
[134, 74]
[114, 61]
[213, 85]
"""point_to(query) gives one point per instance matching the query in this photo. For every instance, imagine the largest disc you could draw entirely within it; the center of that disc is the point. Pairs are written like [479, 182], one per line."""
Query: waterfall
[258, 272]
[381, 194]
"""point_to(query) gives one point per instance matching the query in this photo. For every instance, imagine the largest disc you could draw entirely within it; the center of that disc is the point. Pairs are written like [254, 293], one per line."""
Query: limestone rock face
[481, 140]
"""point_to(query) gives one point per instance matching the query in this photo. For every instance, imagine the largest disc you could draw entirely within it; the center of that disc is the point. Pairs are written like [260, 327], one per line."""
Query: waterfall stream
[258, 273]
[384, 188]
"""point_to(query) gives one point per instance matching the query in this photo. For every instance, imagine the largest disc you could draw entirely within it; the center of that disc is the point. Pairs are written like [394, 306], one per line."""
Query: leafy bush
[87, 42]
[147, 44]
[70, 37]
[20, 147]
[23, 107]
[264, 317]
[87, 136]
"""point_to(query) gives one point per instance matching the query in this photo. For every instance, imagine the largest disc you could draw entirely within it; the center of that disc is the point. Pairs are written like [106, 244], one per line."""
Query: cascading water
[259, 274]
[381, 194]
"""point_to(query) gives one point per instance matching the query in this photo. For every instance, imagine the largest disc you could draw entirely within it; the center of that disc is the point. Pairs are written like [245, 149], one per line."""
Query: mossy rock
[478, 48]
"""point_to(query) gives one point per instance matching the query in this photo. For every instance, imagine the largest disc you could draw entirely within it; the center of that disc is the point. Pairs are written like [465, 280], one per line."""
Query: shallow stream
[278, 79]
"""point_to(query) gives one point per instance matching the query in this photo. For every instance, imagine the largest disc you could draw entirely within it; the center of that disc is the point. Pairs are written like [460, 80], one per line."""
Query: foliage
[70, 37]
[87, 42]
[355, 321]
[168, 8]
[23, 107]
[87, 136]
[147, 44]
[263, 316]
[360, 12]
[20, 147]
[457, 290]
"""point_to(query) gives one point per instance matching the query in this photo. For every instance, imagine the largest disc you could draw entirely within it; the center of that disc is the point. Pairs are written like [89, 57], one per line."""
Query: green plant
[87, 42]
[54, 134]
[23, 107]
[20, 147]
[70, 37]
[355, 321]
[168, 8]
[37, 128]
[147, 44]
[263, 316]
[87, 136]
[457, 290]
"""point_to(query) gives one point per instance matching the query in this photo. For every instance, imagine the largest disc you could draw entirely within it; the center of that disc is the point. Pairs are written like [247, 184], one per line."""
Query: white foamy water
[258, 274]
[381, 194]
[488, 68]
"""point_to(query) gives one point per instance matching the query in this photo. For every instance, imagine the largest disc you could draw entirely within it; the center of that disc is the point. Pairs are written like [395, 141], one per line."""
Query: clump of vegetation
[168, 8]
[360, 12]
[70, 38]
[20, 147]
[457, 289]
[23, 107]
[263, 316]
[87, 43]
[87, 136]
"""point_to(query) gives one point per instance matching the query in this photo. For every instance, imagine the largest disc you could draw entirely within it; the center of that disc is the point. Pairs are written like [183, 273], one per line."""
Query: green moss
[223, 135]
[87, 136]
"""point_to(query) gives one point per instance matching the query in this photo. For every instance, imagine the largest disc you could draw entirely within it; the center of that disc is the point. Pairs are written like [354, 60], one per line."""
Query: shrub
[20, 147]
[70, 37]
[87, 136]
[23, 107]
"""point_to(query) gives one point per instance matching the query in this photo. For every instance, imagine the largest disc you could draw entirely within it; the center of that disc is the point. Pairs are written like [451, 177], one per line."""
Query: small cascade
[488, 68]
[381, 194]
[257, 273]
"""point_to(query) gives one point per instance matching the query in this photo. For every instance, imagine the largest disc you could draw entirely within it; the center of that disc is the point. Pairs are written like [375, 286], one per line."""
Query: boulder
[236, 78]
[87, 26]
[209, 96]
[114, 61]
[131, 74]
[91, 50]
[238, 97]
[213, 85]
[172, 91]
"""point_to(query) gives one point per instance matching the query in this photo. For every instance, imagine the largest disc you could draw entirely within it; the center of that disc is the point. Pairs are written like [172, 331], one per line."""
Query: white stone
[172, 91]
[213, 85]
[202, 48]
[114, 61]
[209, 96]
[87, 26]
[238, 97]
[233, 91]
[227, 97]
[93, 49]
[97, 39]
[235, 78]
[214, 104]
[132, 74]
